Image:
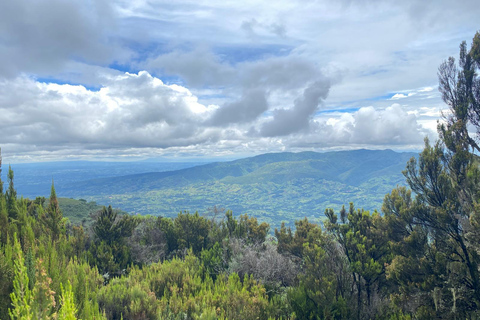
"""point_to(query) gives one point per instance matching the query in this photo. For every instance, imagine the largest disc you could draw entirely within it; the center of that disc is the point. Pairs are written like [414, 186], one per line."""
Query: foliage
[11, 196]
[109, 251]
[364, 242]
[435, 241]
[67, 309]
[191, 231]
[293, 243]
[246, 228]
[22, 297]
[52, 217]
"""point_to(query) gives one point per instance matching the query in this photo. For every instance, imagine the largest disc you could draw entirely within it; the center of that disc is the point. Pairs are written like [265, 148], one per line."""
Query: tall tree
[22, 297]
[67, 310]
[112, 229]
[1, 182]
[440, 229]
[364, 241]
[322, 292]
[52, 217]
[110, 252]
[460, 88]
[11, 196]
[3, 209]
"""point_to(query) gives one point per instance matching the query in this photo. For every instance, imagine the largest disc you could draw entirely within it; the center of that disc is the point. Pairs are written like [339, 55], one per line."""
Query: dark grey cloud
[287, 121]
[197, 68]
[252, 104]
[278, 73]
[42, 36]
[201, 67]
[252, 27]
[422, 14]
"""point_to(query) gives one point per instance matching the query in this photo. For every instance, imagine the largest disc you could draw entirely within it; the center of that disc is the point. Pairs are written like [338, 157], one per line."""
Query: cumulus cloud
[369, 126]
[132, 110]
[139, 114]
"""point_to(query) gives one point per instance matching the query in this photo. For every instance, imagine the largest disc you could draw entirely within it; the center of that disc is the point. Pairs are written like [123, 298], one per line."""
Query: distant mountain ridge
[274, 186]
[35, 179]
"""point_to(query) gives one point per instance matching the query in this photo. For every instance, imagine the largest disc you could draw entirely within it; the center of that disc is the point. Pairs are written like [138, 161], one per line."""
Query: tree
[110, 228]
[293, 243]
[11, 196]
[67, 309]
[246, 228]
[323, 289]
[413, 271]
[52, 217]
[440, 229]
[191, 231]
[148, 242]
[110, 251]
[3, 220]
[460, 88]
[276, 271]
[363, 239]
[22, 297]
[1, 182]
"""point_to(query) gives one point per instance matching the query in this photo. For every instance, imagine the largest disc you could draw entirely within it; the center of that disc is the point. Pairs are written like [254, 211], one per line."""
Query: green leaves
[22, 297]
[52, 217]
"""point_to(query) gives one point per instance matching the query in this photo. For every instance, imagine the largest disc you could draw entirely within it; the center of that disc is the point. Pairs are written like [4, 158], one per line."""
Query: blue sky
[221, 79]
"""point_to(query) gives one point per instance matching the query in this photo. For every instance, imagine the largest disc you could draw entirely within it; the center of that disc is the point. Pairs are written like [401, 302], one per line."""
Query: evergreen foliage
[52, 217]
[1, 182]
[11, 196]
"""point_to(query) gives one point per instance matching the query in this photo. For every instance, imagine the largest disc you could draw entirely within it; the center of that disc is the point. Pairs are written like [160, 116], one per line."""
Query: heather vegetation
[417, 258]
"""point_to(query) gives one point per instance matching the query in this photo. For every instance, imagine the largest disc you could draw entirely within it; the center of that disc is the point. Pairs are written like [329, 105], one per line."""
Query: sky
[130, 79]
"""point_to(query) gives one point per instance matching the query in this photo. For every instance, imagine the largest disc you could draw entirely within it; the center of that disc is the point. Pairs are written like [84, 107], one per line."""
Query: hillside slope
[274, 187]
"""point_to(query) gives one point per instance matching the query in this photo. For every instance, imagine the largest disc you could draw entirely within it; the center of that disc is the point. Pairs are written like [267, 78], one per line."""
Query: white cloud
[426, 89]
[392, 126]
[398, 96]
[402, 95]
[132, 110]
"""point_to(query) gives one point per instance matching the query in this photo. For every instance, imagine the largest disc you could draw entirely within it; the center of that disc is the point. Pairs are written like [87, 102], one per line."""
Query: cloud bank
[215, 78]
[140, 114]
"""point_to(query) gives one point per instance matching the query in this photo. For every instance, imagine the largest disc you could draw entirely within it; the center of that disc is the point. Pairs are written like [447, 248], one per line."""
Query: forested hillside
[273, 187]
[418, 257]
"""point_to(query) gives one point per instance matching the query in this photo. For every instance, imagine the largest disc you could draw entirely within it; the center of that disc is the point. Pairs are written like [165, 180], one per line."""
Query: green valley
[273, 187]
